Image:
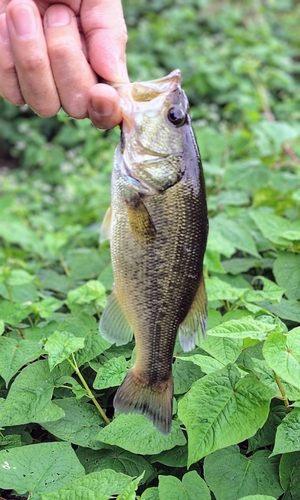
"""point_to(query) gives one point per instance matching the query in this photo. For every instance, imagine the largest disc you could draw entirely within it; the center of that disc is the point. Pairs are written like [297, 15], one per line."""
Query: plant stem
[283, 393]
[88, 390]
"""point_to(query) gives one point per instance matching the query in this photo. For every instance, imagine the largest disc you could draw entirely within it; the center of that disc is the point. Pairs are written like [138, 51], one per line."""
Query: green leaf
[295, 481]
[287, 435]
[225, 350]
[1, 326]
[184, 374]
[79, 425]
[287, 309]
[29, 397]
[129, 491]
[14, 354]
[237, 233]
[46, 307]
[272, 227]
[216, 411]
[60, 345]
[136, 434]
[286, 466]
[247, 327]
[89, 292]
[13, 313]
[150, 494]
[232, 476]
[258, 497]
[207, 363]
[116, 459]
[38, 468]
[287, 273]
[266, 435]
[101, 485]
[219, 290]
[192, 487]
[176, 457]
[111, 374]
[282, 353]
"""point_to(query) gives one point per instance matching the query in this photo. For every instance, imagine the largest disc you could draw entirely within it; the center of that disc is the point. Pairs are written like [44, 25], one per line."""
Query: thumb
[105, 32]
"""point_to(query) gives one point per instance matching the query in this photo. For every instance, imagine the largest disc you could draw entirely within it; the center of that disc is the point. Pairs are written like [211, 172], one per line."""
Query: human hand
[51, 54]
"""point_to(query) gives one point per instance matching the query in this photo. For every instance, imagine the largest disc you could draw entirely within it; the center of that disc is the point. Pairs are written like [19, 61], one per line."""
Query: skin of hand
[51, 54]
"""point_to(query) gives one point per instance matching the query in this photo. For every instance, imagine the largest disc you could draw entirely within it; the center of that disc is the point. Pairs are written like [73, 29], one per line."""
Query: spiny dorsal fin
[196, 317]
[113, 325]
[140, 221]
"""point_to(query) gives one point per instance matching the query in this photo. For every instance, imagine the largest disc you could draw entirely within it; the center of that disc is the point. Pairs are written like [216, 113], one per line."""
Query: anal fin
[196, 317]
[140, 221]
[136, 395]
[113, 325]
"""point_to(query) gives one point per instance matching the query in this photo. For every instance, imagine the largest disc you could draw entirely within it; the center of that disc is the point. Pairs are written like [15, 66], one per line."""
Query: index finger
[105, 31]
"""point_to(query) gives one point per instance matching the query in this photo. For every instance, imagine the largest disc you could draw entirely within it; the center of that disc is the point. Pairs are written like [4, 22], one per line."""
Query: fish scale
[158, 238]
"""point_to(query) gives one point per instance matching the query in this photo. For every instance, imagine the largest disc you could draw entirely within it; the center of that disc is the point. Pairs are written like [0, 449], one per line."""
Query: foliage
[236, 425]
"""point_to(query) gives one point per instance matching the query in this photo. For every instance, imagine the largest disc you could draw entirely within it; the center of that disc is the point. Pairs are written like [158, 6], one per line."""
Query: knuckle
[32, 63]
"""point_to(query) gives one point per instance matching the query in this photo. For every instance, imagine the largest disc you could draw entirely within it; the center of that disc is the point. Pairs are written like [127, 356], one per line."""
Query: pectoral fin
[113, 325]
[106, 226]
[140, 221]
[196, 317]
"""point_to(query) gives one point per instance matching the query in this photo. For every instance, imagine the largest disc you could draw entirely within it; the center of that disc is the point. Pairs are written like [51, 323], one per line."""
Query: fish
[158, 227]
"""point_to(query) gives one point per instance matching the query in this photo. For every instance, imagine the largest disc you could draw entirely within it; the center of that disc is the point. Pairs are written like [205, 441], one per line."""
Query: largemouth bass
[158, 237]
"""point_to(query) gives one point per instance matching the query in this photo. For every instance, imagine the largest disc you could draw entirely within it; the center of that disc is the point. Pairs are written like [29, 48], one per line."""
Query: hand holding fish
[51, 54]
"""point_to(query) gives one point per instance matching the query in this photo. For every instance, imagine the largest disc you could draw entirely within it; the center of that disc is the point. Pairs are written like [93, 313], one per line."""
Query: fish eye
[177, 116]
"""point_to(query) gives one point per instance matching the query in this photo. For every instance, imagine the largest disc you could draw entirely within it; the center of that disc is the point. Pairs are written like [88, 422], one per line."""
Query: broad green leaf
[101, 485]
[287, 436]
[176, 457]
[29, 397]
[79, 425]
[272, 227]
[19, 277]
[231, 476]
[270, 291]
[38, 468]
[84, 263]
[69, 382]
[192, 487]
[282, 353]
[184, 375]
[46, 307]
[128, 492]
[1, 326]
[295, 481]
[89, 292]
[94, 344]
[60, 345]
[219, 290]
[286, 309]
[225, 350]
[242, 328]
[111, 374]
[287, 273]
[13, 313]
[258, 497]
[266, 435]
[136, 434]
[216, 411]
[286, 466]
[236, 232]
[206, 363]
[14, 354]
[150, 494]
[116, 459]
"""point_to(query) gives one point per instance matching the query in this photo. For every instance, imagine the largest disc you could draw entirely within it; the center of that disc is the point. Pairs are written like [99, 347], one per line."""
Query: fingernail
[58, 15]
[24, 21]
[103, 109]
[122, 71]
[3, 28]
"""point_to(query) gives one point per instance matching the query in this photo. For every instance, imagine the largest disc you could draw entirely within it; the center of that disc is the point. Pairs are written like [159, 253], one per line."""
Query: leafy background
[236, 429]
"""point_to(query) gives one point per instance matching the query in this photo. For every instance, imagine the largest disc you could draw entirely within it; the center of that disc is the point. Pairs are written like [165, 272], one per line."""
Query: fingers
[9, 85]
[71, 71]
[105, 31]
[104, 107]
[31, 61]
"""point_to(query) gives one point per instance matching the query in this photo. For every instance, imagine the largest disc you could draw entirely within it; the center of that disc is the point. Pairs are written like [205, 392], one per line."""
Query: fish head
[155, 114]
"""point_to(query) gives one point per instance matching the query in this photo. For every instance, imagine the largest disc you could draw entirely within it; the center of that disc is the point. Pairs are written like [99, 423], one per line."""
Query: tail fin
[154, 401]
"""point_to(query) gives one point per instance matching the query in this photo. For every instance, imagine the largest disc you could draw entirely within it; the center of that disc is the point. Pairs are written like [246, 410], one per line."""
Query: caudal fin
[153, 401]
